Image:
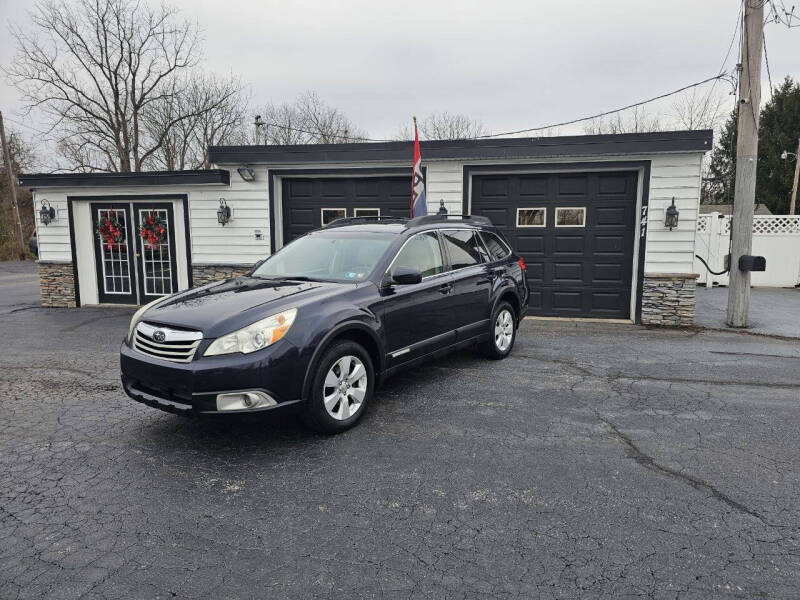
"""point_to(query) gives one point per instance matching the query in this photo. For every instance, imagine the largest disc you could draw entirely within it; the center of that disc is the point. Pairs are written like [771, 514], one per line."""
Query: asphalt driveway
[597, 461]
[19, 286]
[773, 311]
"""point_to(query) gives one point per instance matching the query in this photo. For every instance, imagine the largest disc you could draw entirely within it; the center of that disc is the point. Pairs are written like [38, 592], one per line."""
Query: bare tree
[635, 120]
[308, 120]
[216, 110]
[444, 126]
[695, 109]
[94, 67]
[23, 158]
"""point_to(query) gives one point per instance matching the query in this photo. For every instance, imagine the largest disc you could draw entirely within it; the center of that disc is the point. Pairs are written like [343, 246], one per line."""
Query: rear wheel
[341, 389]
[502, 332]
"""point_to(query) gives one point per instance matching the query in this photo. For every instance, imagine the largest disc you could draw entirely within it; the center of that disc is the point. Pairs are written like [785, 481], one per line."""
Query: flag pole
[413, 166]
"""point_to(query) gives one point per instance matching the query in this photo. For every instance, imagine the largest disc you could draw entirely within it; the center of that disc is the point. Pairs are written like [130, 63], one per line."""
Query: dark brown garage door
[575, 232]
[310, 203]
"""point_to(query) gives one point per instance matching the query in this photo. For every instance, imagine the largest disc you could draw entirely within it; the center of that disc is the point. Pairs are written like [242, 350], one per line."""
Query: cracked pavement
[599, 460]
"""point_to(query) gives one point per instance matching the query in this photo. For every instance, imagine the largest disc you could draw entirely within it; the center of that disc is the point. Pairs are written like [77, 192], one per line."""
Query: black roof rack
[359, 220]
[449, 217]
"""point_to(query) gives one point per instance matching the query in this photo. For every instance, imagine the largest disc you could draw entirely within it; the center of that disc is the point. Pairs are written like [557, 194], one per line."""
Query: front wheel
[502, 332]
[342, 387]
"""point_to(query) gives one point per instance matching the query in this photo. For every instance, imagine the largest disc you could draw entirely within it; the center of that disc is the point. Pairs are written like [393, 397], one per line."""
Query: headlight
[138, 315]
[254, 337]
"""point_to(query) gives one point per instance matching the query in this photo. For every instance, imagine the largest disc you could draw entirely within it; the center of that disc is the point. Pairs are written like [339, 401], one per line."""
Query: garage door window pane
[420, 252]
[570, 217]
[463, 248]
[531, 217]
[368, 212]
[331, 214]
[496, 247]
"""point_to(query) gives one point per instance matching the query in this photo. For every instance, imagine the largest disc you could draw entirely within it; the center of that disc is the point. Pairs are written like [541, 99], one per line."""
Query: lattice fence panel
[776, 225]
[762, 225]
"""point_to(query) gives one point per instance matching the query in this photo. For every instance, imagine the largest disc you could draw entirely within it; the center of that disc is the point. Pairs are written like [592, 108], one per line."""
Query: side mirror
[406, 276]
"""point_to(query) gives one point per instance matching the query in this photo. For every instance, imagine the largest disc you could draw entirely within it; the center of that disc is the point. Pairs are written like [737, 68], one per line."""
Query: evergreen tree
[778, 130]
[722, 171]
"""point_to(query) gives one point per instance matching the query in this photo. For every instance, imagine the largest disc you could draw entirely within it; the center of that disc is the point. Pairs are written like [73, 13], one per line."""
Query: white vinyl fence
[776, 237]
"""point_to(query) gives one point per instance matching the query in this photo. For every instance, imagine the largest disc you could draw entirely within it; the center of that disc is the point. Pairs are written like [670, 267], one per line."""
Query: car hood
[221, 307]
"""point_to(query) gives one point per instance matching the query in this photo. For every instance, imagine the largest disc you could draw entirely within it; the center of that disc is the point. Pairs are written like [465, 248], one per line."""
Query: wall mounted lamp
[223, 212]
[47, 214]
[671, 218]
[247, 173]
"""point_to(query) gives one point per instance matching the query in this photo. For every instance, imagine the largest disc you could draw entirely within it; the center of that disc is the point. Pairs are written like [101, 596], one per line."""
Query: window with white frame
[368, 212]
[571, 217]
[531, 217]
[331, 214]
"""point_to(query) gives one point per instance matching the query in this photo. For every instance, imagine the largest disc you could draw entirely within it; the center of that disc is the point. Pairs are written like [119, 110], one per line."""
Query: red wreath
[154, 229]
[111, 231]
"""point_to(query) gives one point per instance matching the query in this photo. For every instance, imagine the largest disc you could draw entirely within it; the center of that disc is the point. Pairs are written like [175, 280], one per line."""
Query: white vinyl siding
[678, 176]
[444, 181]
[54, 242]
[235, 243]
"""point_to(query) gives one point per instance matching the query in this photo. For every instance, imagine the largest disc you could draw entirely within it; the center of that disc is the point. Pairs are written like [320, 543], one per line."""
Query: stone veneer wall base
[668, 299]
[202, 274]
[57, 284]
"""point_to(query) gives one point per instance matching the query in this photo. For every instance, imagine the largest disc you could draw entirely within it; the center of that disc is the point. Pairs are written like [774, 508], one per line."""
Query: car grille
[174, 344]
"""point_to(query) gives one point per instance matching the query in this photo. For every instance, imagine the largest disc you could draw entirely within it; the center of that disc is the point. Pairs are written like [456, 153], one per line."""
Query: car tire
[502, 332]
[341, 388]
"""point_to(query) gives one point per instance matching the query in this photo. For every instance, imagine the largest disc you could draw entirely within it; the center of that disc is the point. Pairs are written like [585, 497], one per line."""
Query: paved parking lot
[597, 461]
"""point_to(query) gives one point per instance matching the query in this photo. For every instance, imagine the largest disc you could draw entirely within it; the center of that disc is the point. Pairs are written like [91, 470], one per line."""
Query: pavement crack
[633, 451]
[760, 384]
[753, 354]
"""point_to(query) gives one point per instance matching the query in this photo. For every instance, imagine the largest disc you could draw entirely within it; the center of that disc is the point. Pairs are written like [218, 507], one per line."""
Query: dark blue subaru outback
[319, 324]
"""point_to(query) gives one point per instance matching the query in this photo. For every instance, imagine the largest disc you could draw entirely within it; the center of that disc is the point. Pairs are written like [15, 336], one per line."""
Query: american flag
[419, 207]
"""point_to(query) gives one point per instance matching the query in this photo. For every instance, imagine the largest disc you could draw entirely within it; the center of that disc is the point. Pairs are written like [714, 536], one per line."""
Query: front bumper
[192, 388]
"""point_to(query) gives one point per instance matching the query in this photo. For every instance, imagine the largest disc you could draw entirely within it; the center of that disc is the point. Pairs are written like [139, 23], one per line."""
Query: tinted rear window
[463, 247]
[497, 249]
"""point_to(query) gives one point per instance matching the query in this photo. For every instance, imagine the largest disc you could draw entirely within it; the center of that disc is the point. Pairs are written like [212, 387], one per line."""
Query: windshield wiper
[286, 277]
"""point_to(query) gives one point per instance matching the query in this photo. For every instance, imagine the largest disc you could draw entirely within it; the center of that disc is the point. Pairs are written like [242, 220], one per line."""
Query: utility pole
[796, 177]
[746, 158]
[12, 183]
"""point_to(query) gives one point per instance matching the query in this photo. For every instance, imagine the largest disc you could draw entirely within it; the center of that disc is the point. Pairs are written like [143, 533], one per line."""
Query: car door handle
[445, 288]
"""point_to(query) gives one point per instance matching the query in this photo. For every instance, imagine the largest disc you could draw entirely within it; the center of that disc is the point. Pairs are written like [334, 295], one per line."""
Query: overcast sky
[511, 64]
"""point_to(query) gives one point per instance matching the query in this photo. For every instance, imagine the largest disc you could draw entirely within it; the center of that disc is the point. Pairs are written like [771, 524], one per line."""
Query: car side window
[420, 252]
[497, 249]
[463, 248]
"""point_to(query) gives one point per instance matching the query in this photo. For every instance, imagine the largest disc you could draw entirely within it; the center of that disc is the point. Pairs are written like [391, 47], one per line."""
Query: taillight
[521, 263]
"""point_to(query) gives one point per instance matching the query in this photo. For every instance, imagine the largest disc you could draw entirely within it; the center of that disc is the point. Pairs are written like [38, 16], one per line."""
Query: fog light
[244, 400]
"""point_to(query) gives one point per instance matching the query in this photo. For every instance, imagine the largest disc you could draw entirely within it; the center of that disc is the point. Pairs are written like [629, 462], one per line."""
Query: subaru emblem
[159, 336]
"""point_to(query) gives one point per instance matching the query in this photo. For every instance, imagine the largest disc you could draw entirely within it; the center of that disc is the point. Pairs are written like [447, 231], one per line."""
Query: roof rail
[478, 220]
[357, 220]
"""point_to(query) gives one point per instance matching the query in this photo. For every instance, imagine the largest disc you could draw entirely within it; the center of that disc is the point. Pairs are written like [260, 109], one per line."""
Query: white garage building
[586, 213]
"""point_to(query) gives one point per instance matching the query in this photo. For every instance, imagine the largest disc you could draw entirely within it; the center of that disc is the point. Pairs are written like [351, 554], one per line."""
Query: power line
[608, 112]
[736, 30]
[316, 133]
[21, 124]
[766, 62]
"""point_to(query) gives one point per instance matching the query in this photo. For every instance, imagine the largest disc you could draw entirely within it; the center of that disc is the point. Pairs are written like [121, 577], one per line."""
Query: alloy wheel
[345, 387]
[503, 330]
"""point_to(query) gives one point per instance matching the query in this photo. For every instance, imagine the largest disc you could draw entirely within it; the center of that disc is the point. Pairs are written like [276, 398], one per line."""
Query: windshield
[340, 256]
